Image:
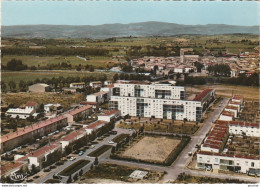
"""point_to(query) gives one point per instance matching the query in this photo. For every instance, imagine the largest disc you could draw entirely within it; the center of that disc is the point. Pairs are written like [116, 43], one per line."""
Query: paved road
[172, 171]
[84, 156]
[183, 158]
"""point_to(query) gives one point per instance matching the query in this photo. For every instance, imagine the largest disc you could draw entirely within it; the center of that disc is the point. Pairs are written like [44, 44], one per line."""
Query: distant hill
[122, 30]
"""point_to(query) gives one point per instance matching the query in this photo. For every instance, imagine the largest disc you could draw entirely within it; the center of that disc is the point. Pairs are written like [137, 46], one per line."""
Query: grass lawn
[100, 151]
[74, 167]
[119, 138]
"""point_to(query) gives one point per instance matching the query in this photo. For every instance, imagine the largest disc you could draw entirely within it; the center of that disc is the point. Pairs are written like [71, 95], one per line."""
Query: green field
[74, 167]
[98, 61]
[16, 76]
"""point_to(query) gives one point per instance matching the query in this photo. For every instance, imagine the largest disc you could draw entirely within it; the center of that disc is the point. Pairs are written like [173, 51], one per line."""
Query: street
[172, 171]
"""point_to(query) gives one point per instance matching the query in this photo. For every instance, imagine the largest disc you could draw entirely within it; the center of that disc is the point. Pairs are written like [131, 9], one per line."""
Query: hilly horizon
[141, 29]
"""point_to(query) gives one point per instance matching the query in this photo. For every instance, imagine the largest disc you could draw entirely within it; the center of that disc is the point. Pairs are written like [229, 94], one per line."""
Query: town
[130, 92]
[141, 120]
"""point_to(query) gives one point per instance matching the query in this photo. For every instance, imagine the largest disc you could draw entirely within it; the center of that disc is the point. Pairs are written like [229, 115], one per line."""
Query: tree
[81, 172]
[12, 85]
[22, 85]
[75, 177]
[69, 180]
[199, 66]
[113, 150]
[96, 161]
[116, 77]
[3, 86]
[34, 169]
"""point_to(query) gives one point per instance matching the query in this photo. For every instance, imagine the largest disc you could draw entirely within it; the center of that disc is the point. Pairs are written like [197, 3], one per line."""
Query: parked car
[111, 142]
[190, 153]
[81, 153]
[72, 158]
[197, 146]
[114, 132]
[92, 146]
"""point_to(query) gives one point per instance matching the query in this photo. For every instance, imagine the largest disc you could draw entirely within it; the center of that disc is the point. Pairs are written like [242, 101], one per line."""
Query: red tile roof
[43, 150]
[110, 113]
[202, 95]
[10, 166]
[232, 107]
[237, 156]
[227, 113]
[31, 128]
[240, 123]
[72, 136]
[95, 124]
[31, 103]
[234, 102]
[237, 97]
[88, 103]
[79, 109]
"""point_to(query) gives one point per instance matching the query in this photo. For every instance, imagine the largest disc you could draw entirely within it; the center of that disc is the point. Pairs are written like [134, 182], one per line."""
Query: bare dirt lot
[155, 149]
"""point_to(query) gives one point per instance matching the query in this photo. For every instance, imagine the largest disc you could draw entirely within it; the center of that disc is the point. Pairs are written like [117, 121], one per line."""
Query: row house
[80, 112]
[21, 137]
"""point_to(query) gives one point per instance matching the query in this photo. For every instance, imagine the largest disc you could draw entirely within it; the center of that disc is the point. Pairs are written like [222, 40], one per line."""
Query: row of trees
[58, 82]
[84, 51]
[14, 65]
[124, 76]
[219, 70]
[242, 79]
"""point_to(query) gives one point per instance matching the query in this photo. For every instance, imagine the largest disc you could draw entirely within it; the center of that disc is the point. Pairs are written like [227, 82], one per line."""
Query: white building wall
[244, 163]
[231, 110]
[248, 130]
[209, 149]
[91, 98]
[235, 105]
[225, 118]
[33, 160]
[127, 105]
[104, 118]
[149, 90]
[178, 70]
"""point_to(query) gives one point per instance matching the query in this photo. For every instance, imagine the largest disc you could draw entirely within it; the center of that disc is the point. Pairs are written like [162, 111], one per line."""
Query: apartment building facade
[154, 100]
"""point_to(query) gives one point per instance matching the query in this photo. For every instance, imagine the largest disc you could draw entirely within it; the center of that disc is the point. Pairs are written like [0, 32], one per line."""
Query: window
[216, 159]
[252, 164]
[246, 163]
[200, 159]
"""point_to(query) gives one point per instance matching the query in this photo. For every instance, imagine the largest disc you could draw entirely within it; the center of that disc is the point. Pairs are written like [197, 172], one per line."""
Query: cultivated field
[250, 93]
[154, 149]
[22, 97]
[96, 61]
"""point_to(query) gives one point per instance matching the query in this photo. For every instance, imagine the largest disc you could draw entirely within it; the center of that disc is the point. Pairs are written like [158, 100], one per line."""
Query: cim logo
[18, 177]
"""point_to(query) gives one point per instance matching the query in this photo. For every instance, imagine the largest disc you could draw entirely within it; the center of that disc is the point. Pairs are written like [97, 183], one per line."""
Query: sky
[105, 12]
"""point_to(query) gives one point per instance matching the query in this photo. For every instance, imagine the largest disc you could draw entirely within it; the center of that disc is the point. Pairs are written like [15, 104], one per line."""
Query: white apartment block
[240, 128]
[227, 162]
[21, 113]
[154, 100]
[159, 91]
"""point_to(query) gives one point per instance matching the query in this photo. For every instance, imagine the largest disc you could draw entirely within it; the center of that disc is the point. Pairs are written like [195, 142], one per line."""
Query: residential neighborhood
[130, 93]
